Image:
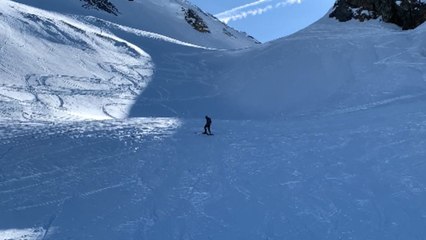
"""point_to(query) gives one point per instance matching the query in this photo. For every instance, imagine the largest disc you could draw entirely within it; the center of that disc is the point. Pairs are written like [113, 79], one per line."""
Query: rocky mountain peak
[407, 14]
[193, 19]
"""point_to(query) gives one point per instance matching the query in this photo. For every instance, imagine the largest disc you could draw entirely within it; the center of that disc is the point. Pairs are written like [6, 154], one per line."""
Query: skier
[207, 126]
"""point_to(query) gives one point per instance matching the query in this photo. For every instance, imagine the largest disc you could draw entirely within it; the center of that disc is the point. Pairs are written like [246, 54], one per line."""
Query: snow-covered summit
[177, 19]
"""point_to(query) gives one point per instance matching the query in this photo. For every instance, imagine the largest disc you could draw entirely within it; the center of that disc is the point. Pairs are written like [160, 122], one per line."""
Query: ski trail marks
[87, 70]
[5, 153]
[381, 103]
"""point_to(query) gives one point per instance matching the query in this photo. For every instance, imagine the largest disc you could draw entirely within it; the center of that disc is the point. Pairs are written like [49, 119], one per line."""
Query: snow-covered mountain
[319, 135]
[73, 67]
[347, 68]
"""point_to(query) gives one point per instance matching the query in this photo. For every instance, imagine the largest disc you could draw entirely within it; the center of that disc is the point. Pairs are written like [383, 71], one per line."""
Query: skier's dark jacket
[208, 121]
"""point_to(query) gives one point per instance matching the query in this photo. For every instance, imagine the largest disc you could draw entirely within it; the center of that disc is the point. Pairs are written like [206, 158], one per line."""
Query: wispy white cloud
[252, 9]
[248, 5]
[288, 2]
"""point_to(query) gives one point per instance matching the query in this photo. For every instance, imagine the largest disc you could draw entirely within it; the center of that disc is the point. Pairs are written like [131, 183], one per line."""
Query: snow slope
[55, 67]
[331, 67]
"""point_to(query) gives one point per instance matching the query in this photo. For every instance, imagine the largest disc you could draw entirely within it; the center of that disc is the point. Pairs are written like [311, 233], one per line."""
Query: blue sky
[267, 19]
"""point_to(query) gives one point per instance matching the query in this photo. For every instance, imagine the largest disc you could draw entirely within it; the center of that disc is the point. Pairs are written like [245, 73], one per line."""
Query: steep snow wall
[328, 67]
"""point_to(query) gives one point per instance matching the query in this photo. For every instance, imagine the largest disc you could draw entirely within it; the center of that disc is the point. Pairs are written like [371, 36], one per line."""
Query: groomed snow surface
[320, 135]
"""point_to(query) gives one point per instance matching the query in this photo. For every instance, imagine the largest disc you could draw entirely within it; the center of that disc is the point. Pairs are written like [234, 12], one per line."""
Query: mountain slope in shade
[327, 67]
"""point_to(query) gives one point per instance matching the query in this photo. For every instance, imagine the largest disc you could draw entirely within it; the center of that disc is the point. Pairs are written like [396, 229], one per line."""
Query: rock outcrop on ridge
[407, 14]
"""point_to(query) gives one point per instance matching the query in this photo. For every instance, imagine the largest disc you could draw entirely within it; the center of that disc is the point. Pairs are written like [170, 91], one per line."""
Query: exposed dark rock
[103, 5]
[228, 33]
[195, 20]
[407, 14]
[254, 39]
